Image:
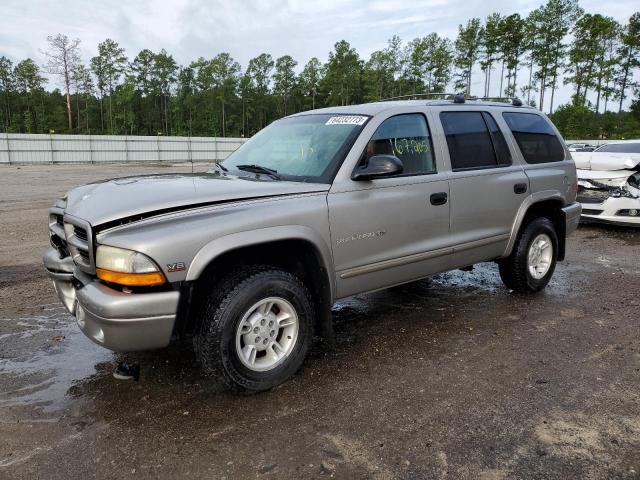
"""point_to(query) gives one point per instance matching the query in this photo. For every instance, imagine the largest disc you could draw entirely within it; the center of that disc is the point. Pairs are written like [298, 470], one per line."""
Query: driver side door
[392, 230]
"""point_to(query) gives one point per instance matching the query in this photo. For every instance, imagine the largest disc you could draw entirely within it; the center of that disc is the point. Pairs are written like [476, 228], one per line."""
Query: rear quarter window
[535, 137]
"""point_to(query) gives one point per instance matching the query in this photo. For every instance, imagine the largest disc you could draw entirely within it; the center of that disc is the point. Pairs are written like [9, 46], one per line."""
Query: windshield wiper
[219, 167]
[260, 169]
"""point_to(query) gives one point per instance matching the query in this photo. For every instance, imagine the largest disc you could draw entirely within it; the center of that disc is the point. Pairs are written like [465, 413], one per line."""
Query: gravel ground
[452, 377]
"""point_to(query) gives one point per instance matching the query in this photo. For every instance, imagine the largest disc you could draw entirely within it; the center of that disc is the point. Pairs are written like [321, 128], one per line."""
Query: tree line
[530, 57]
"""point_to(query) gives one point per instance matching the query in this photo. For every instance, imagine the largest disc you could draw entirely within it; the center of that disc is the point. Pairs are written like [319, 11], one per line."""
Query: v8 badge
[176, 267]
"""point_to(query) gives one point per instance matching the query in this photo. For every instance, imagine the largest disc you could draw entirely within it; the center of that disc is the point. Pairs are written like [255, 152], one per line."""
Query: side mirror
[378, 166]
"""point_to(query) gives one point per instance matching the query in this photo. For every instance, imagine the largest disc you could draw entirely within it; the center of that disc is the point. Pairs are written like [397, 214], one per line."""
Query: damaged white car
[609, 183]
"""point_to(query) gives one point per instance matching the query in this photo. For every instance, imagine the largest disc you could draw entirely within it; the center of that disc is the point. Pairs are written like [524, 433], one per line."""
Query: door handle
[438, 198]
[520, 188]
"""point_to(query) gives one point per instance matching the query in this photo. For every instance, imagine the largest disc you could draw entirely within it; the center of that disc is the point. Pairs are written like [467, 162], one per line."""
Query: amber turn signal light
[152, 279]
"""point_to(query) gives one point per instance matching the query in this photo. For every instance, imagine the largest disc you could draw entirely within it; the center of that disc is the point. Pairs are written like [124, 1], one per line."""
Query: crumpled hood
[119, 198]
[606, 160]
[612, 178]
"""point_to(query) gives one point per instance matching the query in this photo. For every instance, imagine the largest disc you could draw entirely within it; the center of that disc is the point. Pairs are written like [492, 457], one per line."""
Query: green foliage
[467, 47]
[580, 122]
[629, 57]
[591, 61]
[550, 24]
[309, 81]
[151, 94]
[490, 42]
[342, 80]
[284, 81]
[512, 31]
[428, 64]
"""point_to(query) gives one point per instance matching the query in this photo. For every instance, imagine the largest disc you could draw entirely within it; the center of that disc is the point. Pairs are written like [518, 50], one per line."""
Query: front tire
[255, 329]
[533, 260]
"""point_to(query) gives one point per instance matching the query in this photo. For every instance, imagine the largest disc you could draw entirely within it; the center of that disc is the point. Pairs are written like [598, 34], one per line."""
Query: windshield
[306, 148]
[631, 147]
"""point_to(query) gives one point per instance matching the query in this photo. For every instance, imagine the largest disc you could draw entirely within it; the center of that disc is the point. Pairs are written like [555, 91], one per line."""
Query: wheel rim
[267, 334]
[540, 256]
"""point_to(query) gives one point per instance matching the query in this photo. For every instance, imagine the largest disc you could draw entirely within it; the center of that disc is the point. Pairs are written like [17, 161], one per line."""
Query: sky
[188, 29]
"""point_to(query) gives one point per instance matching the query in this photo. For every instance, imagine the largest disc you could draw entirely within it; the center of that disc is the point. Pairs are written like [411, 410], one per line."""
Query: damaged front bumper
[604, 203]
[116, 320]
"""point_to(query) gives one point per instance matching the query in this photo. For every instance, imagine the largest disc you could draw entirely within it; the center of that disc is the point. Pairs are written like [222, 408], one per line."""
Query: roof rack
[415, 95]
[515, 101]
[456, 97]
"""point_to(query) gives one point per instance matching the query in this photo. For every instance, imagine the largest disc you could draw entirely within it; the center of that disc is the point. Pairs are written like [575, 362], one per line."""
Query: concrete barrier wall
[19, 149]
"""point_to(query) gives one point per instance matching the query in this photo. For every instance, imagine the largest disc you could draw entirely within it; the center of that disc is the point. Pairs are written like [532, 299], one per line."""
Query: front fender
[233, 241]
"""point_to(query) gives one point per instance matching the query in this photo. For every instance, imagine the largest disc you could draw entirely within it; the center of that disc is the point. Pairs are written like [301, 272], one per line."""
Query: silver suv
[247, 259]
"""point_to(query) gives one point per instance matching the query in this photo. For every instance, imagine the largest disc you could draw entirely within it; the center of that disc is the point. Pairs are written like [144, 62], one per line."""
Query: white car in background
[609, 183]
[574, 147]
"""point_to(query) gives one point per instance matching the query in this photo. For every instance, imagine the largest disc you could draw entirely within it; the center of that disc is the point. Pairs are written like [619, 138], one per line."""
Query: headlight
[126, 267]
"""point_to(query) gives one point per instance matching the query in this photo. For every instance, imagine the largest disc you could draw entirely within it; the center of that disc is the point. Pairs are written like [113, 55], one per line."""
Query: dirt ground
[452, 377]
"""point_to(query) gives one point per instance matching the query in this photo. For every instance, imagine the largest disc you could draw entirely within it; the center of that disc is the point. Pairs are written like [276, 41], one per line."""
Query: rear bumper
[572, 217]
[115, 320]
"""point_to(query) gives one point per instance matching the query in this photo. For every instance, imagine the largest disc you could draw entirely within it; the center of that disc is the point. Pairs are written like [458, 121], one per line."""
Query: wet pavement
[452, 377]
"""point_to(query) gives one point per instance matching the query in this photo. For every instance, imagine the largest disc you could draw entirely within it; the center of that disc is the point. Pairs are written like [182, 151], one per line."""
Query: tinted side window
[500, 144]
[469, 140]
[408, 138]
[535, 137]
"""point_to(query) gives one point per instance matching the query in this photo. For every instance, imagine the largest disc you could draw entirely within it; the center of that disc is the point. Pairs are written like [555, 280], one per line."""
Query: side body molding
[522, 211]
[227, 243]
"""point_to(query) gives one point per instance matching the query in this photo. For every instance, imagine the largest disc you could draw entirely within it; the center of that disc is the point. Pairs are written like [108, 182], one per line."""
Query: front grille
[591, 211]
[72, 237]
[590, 200]
[80, 233]
[77, 242]
[589, 195]
[85, 257]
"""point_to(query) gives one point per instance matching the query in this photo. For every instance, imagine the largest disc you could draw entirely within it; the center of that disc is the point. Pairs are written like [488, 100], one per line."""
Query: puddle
[484, 278]
[440, 292]
[445, 291]
[43, 356]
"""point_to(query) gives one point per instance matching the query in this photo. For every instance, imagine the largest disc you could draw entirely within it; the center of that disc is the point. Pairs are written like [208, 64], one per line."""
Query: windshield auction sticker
[347, 120]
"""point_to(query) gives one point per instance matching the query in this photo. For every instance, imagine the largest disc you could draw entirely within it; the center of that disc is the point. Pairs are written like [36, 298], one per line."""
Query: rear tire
[255, 329]
[533, 260]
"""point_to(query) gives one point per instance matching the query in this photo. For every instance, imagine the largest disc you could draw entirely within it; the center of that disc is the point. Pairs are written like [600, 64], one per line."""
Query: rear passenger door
[487, 187]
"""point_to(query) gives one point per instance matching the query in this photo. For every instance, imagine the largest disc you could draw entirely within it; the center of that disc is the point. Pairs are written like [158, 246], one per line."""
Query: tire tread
[514, 270]
[208, 342]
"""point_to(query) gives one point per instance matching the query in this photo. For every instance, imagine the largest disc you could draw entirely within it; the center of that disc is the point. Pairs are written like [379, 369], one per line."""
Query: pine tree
[108, 66]
[629, 56]
[467, 48]
[284, 80]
